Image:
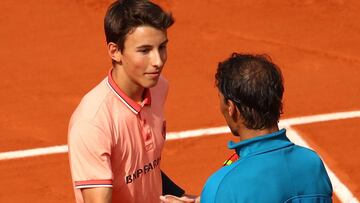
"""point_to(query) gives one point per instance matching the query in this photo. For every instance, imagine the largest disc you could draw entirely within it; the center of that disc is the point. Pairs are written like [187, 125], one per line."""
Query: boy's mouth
[153, 74]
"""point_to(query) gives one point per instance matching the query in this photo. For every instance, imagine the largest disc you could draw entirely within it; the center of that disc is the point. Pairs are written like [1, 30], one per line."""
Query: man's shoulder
[222, 181]
[303, 154]
[217, 178]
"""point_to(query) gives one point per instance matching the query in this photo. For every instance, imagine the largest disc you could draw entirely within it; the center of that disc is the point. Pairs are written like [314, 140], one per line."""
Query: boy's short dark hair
[123, 16]
[255, 85]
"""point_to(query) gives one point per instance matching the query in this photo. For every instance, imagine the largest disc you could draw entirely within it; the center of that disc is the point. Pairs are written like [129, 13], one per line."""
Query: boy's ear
[114, 52]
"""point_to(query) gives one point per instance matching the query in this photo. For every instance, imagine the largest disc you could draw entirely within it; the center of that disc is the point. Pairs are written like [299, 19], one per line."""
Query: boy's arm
[97, 195]
[90, 162]
[169, 187]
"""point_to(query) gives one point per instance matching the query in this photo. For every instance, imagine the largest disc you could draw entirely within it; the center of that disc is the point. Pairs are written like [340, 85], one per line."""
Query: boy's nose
[157, 60]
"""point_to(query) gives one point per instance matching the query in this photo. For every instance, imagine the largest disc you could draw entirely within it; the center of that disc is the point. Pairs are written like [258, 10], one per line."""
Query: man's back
[271, 169]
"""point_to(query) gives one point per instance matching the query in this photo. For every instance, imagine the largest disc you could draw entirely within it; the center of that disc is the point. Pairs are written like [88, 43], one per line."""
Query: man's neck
[131, 89]
[246, 133]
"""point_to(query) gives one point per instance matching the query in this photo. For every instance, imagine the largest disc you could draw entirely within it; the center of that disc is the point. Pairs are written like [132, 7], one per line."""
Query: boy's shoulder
[91, 102]
[163, 84]
[160, 90]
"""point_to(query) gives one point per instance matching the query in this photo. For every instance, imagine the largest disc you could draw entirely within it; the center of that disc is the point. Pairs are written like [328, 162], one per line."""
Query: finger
[186, 199]
[164, 199]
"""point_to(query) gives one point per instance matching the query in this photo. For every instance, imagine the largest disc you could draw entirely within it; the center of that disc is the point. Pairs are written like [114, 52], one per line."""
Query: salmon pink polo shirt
[116, 142]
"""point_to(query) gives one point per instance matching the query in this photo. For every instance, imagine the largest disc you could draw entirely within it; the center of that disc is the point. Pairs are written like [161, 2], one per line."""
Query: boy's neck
[132, 90]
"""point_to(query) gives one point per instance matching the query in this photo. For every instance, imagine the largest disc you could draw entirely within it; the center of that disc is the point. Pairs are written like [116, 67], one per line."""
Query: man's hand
[183, 199]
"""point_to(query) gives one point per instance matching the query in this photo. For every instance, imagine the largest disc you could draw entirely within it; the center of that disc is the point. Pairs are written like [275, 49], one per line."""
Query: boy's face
[144, 56]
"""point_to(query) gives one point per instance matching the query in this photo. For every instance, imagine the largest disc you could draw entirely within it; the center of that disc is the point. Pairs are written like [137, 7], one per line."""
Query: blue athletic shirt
[271, 169]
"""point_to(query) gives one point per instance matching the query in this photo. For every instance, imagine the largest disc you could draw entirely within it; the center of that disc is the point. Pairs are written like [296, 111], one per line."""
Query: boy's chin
[150, 84]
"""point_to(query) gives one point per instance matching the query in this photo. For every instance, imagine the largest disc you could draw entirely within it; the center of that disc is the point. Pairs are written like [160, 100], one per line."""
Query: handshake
[183, 199]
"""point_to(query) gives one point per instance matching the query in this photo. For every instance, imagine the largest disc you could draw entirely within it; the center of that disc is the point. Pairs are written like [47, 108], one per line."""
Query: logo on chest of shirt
[142, 171]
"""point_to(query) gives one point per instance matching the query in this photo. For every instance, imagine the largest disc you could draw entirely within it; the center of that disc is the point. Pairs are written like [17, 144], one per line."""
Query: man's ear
[114, 52]
[232, 109]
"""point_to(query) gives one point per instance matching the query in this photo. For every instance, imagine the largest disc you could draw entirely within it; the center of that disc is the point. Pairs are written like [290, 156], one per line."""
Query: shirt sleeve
[169, 187]
[89, 152]
[214, 184]
[208, 193]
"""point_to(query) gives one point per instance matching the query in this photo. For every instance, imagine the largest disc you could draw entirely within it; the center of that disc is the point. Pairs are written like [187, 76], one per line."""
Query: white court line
[189, 133]
[340, 189]
[283, 123]
[319, 118]
[33, 152]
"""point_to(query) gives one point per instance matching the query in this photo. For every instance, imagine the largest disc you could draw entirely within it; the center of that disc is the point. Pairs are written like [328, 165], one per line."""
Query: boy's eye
[144, 50]
[163, 47]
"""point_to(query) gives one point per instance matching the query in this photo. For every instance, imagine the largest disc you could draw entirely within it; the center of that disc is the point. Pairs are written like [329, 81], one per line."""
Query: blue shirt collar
[261, 144]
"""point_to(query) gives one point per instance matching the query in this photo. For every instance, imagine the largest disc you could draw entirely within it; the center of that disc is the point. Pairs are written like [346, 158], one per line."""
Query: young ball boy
[117, 132]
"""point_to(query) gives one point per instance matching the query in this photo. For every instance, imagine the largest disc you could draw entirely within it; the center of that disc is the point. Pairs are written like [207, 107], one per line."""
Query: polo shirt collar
[131, 104]
[261, 144]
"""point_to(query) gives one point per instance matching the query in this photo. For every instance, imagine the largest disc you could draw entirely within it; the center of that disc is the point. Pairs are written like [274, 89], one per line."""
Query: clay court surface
[53, 51]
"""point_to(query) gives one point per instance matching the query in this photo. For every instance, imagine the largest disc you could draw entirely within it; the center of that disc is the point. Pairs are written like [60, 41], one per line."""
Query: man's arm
[169, 187]
[97, 195]
[172, 193]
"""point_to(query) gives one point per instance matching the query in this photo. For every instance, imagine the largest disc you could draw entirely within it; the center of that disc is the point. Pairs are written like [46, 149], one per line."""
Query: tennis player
[117, 132]
[270, 167]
